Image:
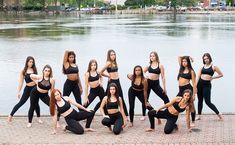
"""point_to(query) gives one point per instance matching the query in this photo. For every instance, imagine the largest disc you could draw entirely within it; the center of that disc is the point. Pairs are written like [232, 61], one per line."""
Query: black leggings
[23, 99]
[73, 118]
[117, 82]
[181, 91]
[155, 86]
[72, 86]
[170, 123]
[34, 99]
[204, 91]
[98, 91]
[116, 120]
[132, 94]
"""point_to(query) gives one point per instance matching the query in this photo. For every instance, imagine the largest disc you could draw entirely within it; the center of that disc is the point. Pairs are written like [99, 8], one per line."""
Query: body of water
[133, 37]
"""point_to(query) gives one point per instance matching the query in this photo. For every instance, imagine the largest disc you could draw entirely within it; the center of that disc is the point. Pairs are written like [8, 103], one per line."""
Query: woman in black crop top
[45, 82]
[114, 104]
[73, 82]
[186, 77]
[63, 106]
[111, 69]
[171, 113]
[93, 80]
[29, 68]
[153, 72]
[205, 76]
[138, 89]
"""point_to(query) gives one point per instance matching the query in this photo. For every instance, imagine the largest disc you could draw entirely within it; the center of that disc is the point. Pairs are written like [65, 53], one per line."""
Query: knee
[151, 113]
[105, 121]
[167, 130]
[80, 131]
[117, 131]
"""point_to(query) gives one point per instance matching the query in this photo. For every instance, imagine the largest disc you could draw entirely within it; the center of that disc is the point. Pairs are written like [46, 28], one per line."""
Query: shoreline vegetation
[107, 12]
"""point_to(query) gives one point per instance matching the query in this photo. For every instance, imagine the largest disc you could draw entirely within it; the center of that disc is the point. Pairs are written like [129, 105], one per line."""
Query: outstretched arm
[76, 104]
[163, 78]
[21, 81]
[65, 61]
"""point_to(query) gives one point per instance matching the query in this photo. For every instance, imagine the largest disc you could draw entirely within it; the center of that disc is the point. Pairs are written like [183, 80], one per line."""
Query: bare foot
[159, 121]
[29, 125]
[9, 119]
[57, 124]
[89, 130]
[142, 118]
[40, 121]
[149, 130]
[220, 117]
[192, 124]
[130, 124]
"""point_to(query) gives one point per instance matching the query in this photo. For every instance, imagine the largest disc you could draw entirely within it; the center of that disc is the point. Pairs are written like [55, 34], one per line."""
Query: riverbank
[132, 11]
[208, 131]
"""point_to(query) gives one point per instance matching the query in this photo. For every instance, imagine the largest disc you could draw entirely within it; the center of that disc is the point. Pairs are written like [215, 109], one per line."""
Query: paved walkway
[208, 131]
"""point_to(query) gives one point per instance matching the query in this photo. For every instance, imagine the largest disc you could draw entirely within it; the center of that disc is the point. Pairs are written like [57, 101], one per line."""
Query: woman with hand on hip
[205, 76]
[30, 68]
[112, 73]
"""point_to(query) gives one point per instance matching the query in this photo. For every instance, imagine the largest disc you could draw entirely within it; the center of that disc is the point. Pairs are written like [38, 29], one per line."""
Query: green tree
[1, 5]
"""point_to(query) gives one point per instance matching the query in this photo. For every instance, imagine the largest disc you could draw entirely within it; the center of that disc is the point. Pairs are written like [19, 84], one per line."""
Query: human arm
[145, 92]
[163, 78]
[52, 81]
[194, 83]
[86, 88]
[75, 104]
[54, 122]
[219, 72]
[188, 119]
[168, 104]
[65, 60]
[102, 105]
[104, 68]
[130, 76]
[21, 81]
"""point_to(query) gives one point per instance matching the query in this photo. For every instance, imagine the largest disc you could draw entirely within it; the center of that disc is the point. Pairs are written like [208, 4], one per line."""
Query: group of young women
[112, 104]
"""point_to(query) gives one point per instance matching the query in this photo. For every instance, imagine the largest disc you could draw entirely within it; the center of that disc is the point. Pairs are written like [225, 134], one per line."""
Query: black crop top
[44, 84]
[63, 108]
[27, 78]
[112, 105]
[71, 70]
[112, 69]
[137, 87]
[155, 71]
[92, 79]
[208, 71]
[177, 107]
[187, 76]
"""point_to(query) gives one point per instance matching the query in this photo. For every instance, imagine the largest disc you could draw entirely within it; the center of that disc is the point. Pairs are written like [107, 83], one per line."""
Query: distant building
[114, 2]
[214, 3]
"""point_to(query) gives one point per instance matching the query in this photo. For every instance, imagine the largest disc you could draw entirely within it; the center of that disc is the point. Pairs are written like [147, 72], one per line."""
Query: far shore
[131, 11]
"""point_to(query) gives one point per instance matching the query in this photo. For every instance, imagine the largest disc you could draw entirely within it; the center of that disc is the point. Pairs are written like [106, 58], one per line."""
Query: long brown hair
[51, 73]
[89, 65]
[116, 92]
[26, 65]
[53, 101]
[156, 55]
[114, 62]
[190, 101]
[182, 68]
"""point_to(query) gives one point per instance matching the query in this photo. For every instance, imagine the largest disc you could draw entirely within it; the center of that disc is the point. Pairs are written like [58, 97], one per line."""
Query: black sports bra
[177, 107]
[27, 78]
[92, 79]
[44, 84]
[63, 108]
[112, 105]
[112, 69]
[155, 71]
[208, 71]
[187, 76]
[137, 87]
[71, 70]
